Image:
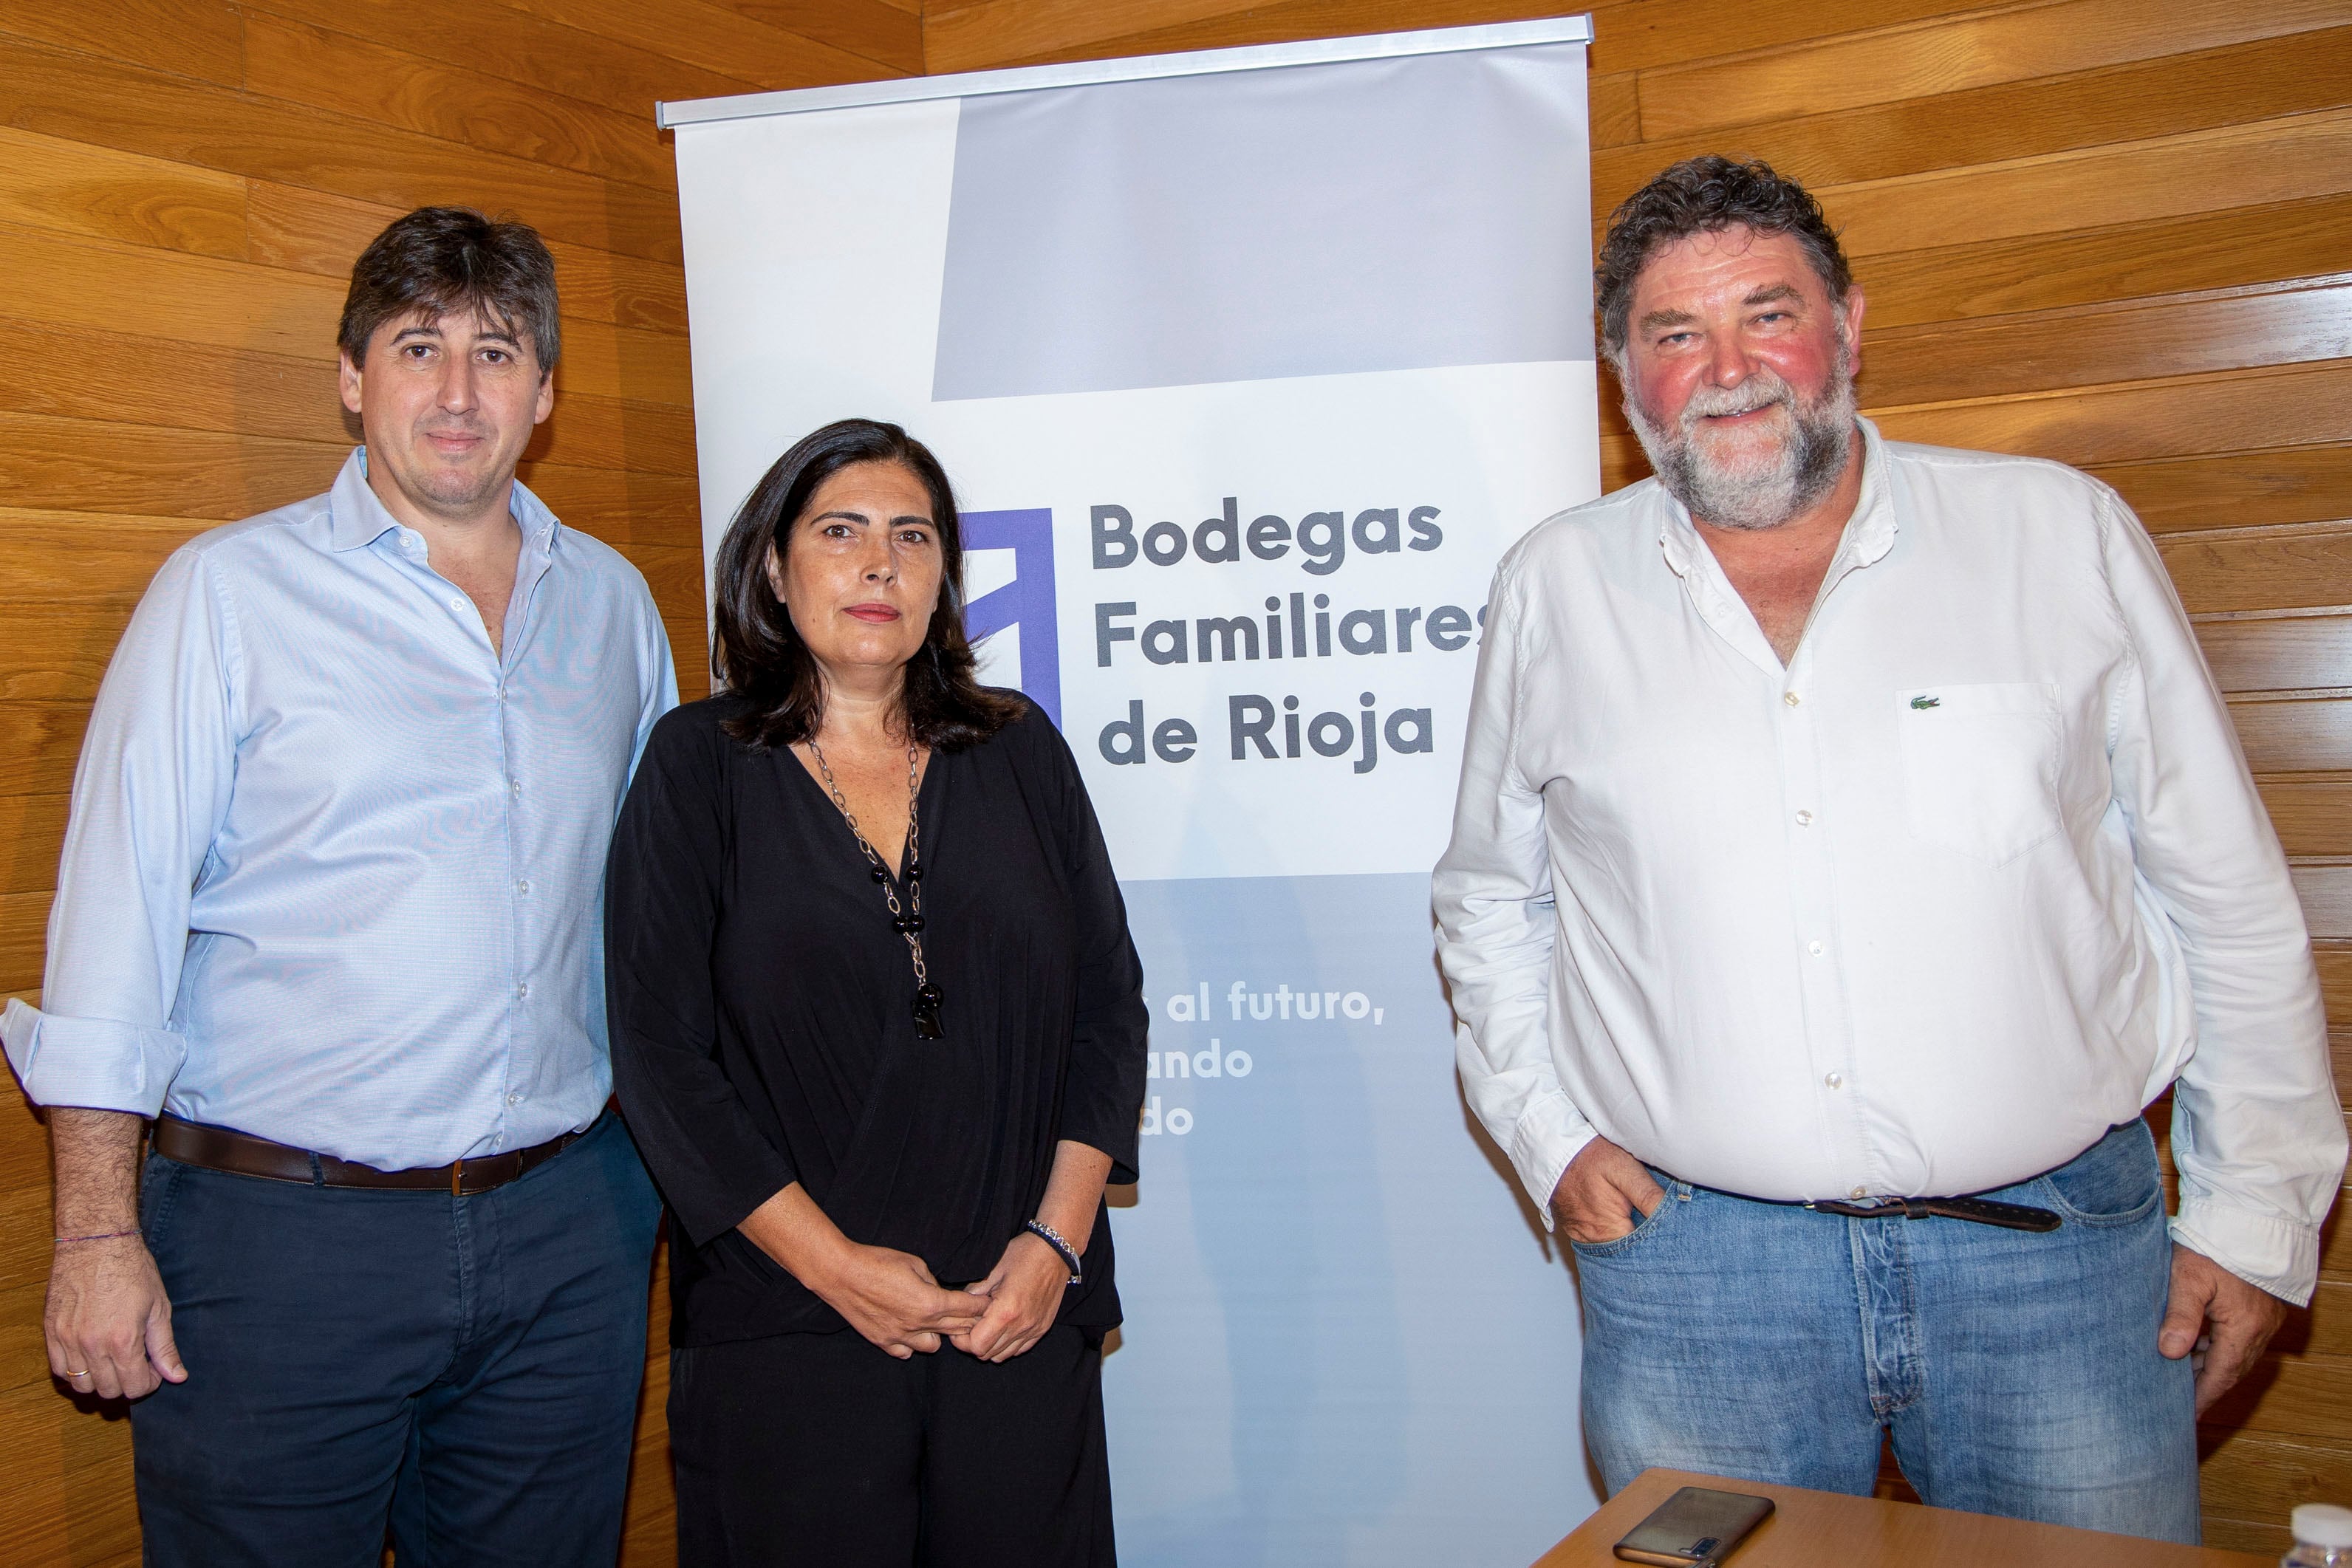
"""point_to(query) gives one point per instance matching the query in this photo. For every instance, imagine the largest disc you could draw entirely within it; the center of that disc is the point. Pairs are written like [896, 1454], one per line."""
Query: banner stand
[1247, 366]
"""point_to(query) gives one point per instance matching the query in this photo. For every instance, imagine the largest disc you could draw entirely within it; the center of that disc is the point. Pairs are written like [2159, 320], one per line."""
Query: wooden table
[1819, 1529]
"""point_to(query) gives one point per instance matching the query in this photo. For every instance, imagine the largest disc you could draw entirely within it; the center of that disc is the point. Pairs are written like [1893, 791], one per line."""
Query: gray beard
[1802, 469]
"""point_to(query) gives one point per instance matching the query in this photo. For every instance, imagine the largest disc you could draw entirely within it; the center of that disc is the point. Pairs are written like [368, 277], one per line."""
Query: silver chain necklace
[908, 921]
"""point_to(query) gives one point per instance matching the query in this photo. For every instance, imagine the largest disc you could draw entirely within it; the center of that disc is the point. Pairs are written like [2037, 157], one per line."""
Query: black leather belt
[242, 1153]
[1977, 1210]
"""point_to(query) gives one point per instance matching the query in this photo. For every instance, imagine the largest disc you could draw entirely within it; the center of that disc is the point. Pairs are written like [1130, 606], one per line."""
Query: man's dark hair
[758, 655]
[1703, 195]
[440, 260]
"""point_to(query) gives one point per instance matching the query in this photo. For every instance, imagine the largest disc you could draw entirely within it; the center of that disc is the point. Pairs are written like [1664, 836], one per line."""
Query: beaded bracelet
[1052, 1238]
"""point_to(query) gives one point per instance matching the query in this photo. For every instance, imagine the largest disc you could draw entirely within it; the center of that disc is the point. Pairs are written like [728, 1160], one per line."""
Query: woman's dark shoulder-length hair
[760, 657]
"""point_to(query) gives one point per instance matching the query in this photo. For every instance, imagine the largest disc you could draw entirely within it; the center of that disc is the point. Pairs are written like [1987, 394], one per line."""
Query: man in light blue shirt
[330, 913]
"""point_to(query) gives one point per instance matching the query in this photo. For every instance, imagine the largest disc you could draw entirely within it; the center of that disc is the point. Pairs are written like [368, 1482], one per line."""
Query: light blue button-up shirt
[334, 873]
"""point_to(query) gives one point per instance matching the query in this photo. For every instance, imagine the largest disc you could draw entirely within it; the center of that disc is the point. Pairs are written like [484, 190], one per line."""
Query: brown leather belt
[242, 1153]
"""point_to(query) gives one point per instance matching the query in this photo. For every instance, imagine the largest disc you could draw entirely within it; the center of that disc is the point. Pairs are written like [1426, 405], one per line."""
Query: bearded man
[1851, 843]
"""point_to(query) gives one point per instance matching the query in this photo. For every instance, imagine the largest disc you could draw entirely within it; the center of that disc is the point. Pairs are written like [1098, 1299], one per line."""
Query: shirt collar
[1869, 533]
[357, 516]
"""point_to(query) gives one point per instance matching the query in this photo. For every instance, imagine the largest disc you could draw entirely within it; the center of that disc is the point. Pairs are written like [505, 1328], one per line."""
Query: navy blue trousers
[461, 1373]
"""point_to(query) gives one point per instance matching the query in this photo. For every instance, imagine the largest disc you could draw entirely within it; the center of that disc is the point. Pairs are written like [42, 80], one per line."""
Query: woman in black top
[876, 1025]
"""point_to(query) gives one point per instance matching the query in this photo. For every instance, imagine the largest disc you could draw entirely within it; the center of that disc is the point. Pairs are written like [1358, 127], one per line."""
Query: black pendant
[927, 1000]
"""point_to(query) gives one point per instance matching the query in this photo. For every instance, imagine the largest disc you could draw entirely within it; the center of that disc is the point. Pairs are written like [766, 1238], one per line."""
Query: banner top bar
[1141, 67]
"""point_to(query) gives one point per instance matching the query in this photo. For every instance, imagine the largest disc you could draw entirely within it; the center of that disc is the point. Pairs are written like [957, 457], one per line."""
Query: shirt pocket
[1981, 766]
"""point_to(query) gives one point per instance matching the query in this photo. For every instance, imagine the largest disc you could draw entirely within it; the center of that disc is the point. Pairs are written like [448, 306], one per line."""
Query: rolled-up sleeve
[152, 786]
[1497, 925]
[1102, 1097]
[2257, 1134]
[661, 913]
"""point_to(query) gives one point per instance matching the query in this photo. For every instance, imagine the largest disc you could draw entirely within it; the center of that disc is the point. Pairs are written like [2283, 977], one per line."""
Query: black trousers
[461, 1370]
[818, 1451]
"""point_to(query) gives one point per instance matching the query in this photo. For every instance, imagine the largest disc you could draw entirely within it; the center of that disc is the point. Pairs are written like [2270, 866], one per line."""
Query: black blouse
[762, 1014]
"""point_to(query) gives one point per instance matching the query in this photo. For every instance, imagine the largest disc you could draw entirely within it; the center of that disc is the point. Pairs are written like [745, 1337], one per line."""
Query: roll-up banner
[1247, 365]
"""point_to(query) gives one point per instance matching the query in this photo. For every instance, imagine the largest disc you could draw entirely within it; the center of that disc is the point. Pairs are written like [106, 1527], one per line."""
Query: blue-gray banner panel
[1378, 1276]
[1314, 220]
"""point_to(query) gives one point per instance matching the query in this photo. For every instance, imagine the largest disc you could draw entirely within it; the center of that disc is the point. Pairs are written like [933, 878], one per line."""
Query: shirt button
[514, 787]
[522, 885]
[1814, 948]
[1835, 1081]
[522, 990]
[1859, 1193]
[456, 602]
[1790, 698]
[1804, 819]
[514, 1099]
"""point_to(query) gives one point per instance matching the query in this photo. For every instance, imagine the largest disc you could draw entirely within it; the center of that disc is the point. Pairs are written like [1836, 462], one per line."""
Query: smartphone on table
[1695, 1525]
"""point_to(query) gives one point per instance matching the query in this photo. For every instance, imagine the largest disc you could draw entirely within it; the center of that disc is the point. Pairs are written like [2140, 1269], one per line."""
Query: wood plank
[2324, 1328]
[520, 47]
[74, 188]
[339, 73]
[24, 916]
[2236, 413]
[2303, 1394]
[703, 34]
[1923, 58]
[2164, 97]
[1629, 35]
[136, 290]
[2288, 565]
[2255, 1537]
[1614, 107]
[2336, 1234]
[2312, 817]
[2299, 734]
[48, 464]
[149, 381]
[188, 37]
[890, 34]
[2141, 340]
[2249, 488]
[65, 1493]
[2281, 159]
[59, 650]
[2278, 654]
[76, 560]
[39, 745]
[32, 832]
[2334, 961]
[994, 32]
[2205, 250]
[309, 231]
[85, 99]
[2326, 894]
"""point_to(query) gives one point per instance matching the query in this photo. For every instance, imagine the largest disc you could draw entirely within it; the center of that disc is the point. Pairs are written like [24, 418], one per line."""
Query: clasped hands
[891, 1299]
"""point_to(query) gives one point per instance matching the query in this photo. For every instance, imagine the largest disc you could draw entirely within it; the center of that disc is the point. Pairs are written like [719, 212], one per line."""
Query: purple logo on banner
[1024, 604]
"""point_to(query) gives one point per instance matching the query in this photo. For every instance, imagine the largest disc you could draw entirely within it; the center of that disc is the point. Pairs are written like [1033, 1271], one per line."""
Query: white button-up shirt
[1974, 878]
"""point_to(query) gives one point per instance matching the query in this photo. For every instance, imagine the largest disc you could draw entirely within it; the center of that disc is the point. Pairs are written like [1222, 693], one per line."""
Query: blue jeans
[2016, 1374]
[461, 1372]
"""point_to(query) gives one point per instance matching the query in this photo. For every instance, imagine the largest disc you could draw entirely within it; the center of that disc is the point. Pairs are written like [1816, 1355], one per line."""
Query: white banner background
[1358, 288]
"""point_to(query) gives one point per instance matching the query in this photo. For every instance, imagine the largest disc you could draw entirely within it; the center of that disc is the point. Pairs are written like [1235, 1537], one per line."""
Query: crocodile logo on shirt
[1927, 702]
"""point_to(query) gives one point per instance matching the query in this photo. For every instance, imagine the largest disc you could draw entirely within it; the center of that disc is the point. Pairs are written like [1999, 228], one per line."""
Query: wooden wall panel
[2101, 231]
[183, 185]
